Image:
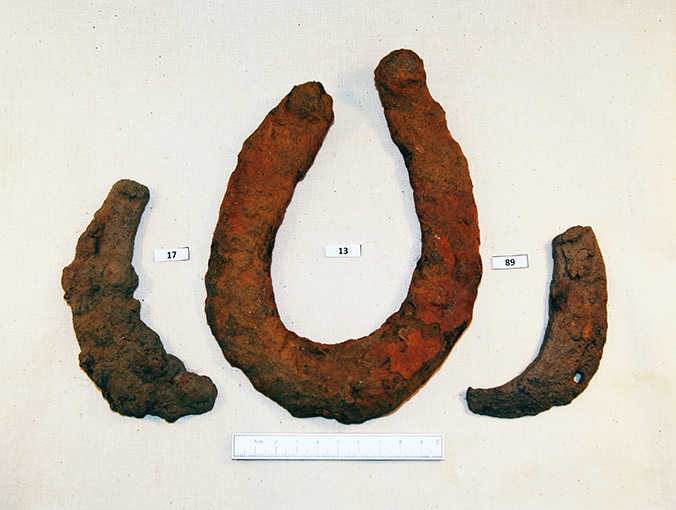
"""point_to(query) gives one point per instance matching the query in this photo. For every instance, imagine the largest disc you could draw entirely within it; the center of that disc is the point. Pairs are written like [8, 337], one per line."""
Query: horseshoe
[119, 353]
[369, 377]
[573, 344]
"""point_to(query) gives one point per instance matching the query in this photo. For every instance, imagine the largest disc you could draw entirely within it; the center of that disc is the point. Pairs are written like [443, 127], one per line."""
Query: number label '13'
[343, 250]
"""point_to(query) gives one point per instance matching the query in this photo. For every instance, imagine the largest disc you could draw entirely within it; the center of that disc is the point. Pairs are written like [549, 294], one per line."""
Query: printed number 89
[510, 262]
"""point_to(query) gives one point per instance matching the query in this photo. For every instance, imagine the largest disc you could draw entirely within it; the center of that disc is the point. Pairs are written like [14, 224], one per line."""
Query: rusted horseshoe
[119, 353]
[364, 378]
[573, 344]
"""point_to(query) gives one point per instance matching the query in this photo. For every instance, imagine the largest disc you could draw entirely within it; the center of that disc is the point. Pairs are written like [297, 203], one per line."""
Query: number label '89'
[510, 262]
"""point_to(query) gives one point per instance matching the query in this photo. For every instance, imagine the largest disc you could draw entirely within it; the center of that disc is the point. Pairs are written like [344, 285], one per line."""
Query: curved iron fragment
[120, 354]
[364, 378]
[573, 344]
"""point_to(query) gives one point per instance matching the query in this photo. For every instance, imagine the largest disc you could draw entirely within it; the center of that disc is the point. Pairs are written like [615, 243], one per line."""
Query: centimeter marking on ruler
[338, 447]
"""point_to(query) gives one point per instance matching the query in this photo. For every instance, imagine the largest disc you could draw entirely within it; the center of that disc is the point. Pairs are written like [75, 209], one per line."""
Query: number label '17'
[171, 255]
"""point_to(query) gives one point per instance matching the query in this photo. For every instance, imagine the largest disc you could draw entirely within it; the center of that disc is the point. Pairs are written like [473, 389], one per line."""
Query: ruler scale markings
[337, 446]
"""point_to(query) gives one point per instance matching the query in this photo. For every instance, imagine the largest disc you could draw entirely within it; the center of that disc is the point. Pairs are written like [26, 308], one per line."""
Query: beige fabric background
[567, 114]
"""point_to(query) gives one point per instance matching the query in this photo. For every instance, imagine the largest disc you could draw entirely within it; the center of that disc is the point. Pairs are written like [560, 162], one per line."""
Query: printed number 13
[342, 250]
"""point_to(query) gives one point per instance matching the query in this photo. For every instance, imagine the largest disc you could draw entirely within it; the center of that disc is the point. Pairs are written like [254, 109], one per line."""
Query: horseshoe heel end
[399, 70]
[310, 100]
[573, 343]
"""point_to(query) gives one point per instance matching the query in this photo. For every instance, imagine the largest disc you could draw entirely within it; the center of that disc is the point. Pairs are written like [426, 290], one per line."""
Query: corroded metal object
[123, 356]
[573, 344]
[364, 378]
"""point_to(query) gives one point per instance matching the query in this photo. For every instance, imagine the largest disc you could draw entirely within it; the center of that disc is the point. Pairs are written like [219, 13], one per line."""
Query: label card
[510, 262]
[343, 250]
[171, 255]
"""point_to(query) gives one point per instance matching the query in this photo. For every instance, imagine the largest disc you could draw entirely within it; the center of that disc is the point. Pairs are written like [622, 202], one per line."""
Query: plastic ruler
[338, 447]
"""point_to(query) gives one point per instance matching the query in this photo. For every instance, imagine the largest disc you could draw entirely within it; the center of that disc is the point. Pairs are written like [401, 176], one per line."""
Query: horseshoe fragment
[120, 354]
[573, 344]
[364, 378]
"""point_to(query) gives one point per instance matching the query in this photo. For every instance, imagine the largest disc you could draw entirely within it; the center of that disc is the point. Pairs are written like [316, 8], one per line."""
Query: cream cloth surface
[566, 112]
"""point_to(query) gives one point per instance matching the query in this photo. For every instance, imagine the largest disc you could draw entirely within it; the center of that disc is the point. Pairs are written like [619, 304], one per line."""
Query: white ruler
[338, 447]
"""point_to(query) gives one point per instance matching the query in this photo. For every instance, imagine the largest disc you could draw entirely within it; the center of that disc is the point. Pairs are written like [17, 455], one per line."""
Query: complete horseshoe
[368, 377]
